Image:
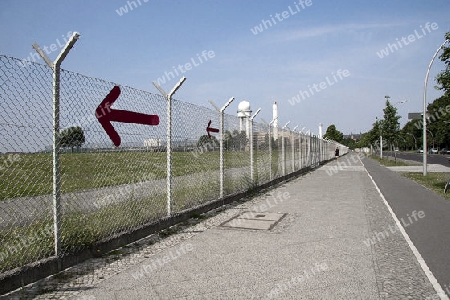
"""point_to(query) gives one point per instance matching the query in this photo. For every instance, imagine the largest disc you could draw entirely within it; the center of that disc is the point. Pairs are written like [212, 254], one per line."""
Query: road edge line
[437, 287]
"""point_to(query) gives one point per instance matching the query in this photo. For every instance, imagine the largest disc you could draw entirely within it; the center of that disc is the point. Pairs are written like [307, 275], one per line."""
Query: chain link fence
[108, 190]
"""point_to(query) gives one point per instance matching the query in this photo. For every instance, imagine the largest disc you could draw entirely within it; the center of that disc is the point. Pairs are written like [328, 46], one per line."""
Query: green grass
[32, 174]
[80, 230]
[388, 162]
[435, 181]
[22, 245]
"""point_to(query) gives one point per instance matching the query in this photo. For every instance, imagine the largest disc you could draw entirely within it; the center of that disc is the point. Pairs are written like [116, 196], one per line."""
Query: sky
[322, 61]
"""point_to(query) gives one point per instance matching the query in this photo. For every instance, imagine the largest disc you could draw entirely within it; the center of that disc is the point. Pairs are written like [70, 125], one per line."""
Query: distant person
[336, 152]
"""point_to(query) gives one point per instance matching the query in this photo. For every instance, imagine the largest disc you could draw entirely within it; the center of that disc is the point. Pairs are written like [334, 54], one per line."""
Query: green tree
[72, 137]
[390, 125]
[333, 134]
[374, 134]
[364, 141]
[349, 142]
[439, 120]
[412, 133]
[443, 78]
[206, 143]
[235, 141]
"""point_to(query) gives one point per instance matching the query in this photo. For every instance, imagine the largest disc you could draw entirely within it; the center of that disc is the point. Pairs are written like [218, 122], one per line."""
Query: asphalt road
[441, 159]
[430, 234]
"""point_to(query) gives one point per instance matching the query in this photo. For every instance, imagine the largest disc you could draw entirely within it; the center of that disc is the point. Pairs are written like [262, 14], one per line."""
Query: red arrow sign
[209, 129]
[105, 115]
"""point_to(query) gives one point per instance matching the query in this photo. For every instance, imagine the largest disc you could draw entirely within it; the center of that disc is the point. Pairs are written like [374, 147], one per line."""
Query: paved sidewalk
[331, 243]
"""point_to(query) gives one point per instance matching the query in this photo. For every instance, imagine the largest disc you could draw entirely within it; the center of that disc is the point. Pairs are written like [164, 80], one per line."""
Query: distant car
[445, 151]
[419, 151]
[433, 151]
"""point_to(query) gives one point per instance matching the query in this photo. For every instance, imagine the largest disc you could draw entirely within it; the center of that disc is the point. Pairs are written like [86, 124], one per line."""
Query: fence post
[300, 149]
[56, 67]
[320, 149]
[270, 149]
[309, 149]
[293, 148]
[316, 150]
[283, 152]
[222, 170]
[169, 140]
[252, 164]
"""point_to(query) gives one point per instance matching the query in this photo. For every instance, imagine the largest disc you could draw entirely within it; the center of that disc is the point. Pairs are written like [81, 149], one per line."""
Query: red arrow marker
[209, 129]
[105, 115]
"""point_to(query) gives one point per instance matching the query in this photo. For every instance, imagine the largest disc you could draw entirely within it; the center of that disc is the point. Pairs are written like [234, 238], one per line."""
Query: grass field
[25, 244]
[388, 162]
[31, 175]
[435, 181]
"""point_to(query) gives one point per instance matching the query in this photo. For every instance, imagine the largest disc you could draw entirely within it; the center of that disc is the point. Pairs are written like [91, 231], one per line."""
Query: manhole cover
[253, 220]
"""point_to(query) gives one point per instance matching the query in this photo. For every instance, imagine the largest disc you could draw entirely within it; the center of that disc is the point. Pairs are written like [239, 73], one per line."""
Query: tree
[204, 142]
[412, 133]
[443, 78]
[374, 134]
[349, 142]
[439, 120]
[333, 134]
[390, 125]
[72, 137]
[235, 141]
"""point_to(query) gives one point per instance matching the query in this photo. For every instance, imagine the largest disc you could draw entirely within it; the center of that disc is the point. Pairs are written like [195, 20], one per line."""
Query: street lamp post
[425, 109]
[432, 135]
[381, 139]
[415, 140]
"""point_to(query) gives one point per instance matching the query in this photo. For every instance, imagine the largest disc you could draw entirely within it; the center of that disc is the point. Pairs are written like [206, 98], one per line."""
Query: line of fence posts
[312, 143]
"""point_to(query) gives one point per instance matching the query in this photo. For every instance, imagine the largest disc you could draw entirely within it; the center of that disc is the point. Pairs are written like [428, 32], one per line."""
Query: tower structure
[244, 112]
[275, 122]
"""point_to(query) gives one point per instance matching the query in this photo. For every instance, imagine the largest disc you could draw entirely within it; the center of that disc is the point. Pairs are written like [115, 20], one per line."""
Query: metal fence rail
[106, 190]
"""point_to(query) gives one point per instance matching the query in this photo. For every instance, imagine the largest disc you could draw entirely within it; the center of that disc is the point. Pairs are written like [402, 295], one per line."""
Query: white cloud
[304, 33]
